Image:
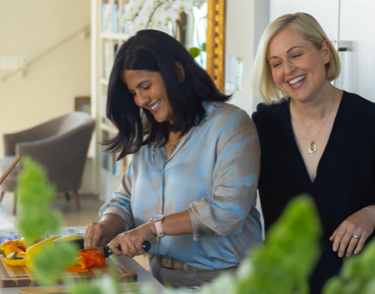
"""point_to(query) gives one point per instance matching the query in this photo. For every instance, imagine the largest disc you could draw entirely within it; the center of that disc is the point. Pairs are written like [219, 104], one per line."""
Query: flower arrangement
[161, 15]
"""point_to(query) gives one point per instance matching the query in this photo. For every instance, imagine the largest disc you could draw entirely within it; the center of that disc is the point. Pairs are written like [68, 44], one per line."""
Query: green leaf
[194, 51]
[290, 254]
[36, 196]
[203, 46]
[49, 264]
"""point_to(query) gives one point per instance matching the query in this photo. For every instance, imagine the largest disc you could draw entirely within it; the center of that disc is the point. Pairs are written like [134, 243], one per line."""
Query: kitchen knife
[106, 252]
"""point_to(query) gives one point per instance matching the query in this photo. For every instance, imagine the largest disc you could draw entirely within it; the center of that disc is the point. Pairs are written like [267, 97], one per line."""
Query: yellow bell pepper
[14, 262]
[26, 244]
[69, 238]
[29, 257]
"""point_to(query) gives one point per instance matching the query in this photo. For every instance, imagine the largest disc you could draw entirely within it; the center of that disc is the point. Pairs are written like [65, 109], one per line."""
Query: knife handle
[107, 252]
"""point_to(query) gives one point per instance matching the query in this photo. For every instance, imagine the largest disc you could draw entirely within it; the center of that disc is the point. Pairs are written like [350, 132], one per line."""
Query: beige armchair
[59, 145]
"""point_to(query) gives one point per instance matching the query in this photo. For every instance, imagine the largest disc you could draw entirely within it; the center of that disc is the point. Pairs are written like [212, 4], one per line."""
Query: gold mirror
[200, 27]
[215, 45]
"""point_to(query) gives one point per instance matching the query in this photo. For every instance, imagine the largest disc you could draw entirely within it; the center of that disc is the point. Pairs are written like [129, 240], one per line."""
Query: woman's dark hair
[156, 51]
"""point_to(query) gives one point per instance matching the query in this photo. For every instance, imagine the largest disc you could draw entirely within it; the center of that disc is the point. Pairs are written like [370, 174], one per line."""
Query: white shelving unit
[107, 35]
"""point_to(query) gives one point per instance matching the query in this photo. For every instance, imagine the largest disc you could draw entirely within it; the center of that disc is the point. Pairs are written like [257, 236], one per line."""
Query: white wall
[30, 27]
[245, 23]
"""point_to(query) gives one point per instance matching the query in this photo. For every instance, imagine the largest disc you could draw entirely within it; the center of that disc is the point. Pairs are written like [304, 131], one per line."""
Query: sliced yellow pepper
[14, 262]
[29, 257]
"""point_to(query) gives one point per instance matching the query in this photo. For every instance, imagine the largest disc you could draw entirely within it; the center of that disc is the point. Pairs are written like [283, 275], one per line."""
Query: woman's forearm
[175, 224]
[115, 221]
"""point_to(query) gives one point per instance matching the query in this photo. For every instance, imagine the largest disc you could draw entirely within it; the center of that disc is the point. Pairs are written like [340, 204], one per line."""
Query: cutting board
[17, 276]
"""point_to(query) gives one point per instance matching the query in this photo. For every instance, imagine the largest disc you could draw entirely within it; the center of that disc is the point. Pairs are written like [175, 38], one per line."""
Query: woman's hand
[132, 241]
[359, 224]
[100, 234]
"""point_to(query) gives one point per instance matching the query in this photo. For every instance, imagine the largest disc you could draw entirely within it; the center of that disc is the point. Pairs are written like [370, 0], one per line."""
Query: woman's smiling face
[149, 91]
[297, 66]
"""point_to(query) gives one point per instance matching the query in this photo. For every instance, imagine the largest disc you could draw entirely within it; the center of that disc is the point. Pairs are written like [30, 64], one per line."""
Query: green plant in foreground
[38, 218]
[356, 275]
[292, 249]
[36, 196]
[291, 252]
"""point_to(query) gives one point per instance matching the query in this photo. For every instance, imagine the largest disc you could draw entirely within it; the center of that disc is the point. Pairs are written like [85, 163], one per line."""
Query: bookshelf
[107, 35]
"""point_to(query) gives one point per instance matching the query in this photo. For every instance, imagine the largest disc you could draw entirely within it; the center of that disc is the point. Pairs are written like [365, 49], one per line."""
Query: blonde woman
[314, 137]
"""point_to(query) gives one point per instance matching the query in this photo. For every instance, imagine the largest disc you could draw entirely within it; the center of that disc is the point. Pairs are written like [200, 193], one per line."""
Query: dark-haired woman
[193, 177]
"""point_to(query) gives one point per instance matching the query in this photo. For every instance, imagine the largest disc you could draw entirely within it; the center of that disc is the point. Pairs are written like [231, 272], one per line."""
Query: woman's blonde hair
[262, 82]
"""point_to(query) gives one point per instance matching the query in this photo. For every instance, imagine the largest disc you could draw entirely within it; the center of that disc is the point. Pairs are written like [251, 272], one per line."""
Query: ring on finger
[355, 236]
[131, 247]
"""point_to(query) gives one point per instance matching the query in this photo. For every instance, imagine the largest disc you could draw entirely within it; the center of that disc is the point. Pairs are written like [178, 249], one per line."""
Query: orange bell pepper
[77, 269]
[14, 262]
[12, 248]
[6, 243]
[99, 259]
[80, 265]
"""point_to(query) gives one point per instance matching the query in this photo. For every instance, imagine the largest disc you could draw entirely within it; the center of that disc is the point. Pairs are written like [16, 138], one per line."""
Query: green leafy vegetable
[357, 274]
[50, 263]
[292, 249]
[36, 196]
[37, 218]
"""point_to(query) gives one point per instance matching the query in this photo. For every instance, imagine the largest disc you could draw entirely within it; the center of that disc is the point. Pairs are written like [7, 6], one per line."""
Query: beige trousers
[183, 278]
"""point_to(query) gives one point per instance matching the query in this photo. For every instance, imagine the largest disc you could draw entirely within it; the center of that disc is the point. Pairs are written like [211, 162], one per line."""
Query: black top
[345, 179]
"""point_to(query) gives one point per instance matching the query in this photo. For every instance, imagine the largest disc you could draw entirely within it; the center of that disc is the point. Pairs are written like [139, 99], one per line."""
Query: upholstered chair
[59, 145]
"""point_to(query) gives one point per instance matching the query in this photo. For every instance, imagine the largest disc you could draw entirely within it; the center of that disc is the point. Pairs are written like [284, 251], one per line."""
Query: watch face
[156, 218]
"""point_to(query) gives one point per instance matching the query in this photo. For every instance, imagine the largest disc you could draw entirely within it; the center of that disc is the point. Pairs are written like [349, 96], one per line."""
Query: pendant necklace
[312, 146]
[174, 146]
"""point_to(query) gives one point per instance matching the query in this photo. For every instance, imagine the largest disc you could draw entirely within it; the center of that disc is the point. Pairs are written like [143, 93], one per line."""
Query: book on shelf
[106, 17]
[110, 17]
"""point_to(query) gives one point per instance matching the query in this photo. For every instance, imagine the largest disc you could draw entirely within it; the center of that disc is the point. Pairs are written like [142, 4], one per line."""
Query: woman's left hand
[132, 241]
[359, 224]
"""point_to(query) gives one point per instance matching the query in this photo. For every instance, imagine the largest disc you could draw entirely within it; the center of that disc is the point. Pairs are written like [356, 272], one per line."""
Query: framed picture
[83, 104]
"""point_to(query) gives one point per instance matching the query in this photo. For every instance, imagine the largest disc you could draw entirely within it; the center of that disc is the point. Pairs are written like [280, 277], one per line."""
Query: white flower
[199, 3]
[183, 5]
[167, 16]
[130, 12]
[145, 13]
[138, 3]
[140, 23]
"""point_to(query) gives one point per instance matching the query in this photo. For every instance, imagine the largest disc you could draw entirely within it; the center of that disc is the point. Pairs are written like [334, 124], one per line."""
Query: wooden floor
[90, 205]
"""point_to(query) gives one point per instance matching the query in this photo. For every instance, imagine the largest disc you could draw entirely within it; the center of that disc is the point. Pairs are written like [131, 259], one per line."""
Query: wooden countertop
[144, 277]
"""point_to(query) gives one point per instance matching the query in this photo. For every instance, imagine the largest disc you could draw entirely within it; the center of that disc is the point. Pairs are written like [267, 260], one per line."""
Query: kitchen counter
[144, 277]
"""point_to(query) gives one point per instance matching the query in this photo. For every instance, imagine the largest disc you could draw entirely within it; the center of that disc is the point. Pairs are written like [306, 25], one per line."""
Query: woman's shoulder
[271, 112]
[360, 110]
[359, 102]
[228, 114]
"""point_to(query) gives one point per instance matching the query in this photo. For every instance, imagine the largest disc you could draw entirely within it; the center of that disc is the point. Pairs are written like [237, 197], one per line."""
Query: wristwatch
[157, 220]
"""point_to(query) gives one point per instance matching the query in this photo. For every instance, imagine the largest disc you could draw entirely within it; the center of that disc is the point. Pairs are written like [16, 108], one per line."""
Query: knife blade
[106, 252]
